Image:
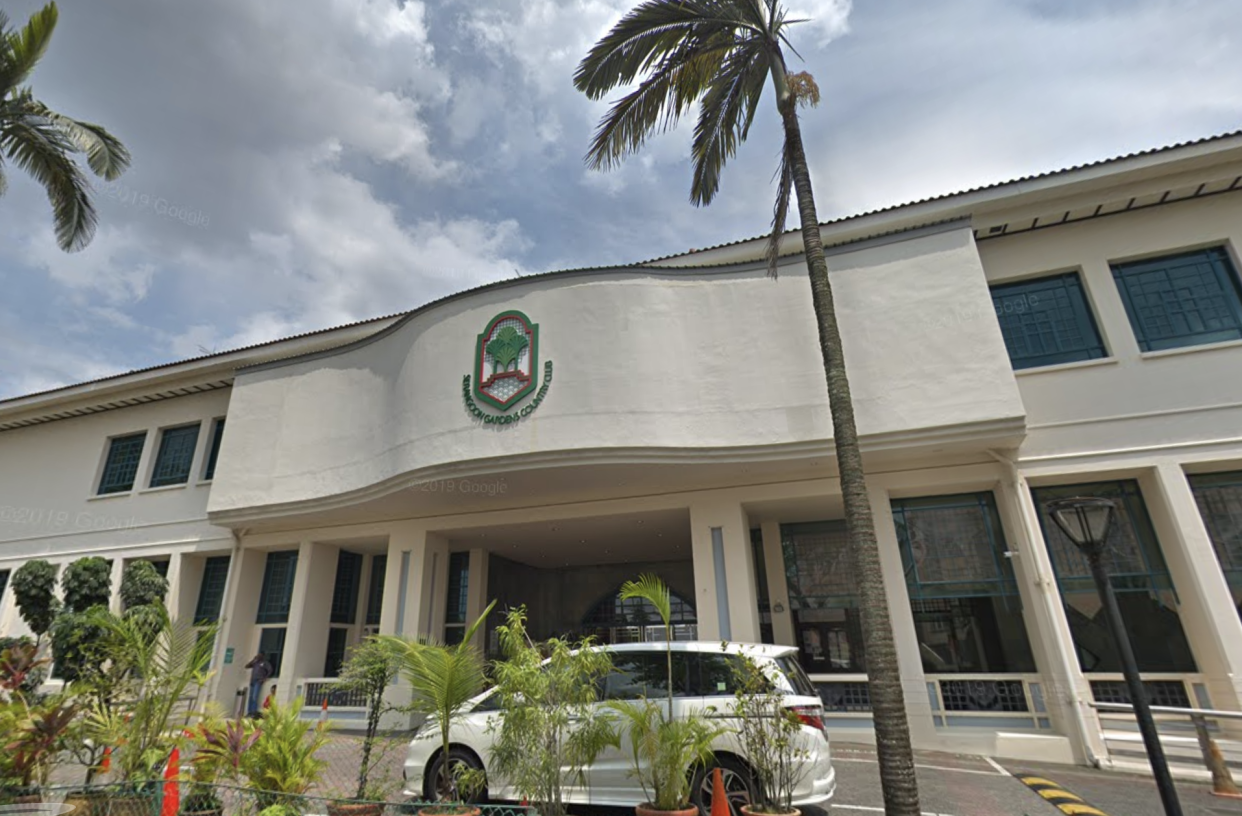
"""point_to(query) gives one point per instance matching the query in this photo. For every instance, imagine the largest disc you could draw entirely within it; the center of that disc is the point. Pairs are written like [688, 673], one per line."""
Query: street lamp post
[1086, 521]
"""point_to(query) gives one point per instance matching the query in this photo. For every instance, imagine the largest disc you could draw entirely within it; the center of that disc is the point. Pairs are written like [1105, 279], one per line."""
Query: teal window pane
[272, 645]
[1219, 496]
[4, 583]
[216, 435]
[823, 602]
[953, 547]
[375, 590]
[458, 586]
[335, 657]
[1047, 321]
[1187, 299]
[172, 464]
[211, 590]
[277, 593]
[122, 465]
[345, 590]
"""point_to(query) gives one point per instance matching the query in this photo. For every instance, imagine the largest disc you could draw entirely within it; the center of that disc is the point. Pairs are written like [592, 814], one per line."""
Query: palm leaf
[653, 590]
[105, 154]
[42, 151]
[21, 51]
[780, 212]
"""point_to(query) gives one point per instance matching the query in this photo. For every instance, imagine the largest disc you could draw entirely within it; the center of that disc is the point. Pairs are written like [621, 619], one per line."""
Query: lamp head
[1085, 520]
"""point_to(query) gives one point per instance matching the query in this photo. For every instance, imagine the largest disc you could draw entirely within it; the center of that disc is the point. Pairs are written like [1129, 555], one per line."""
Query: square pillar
[185, 580]
[1067, 694]
[476, 593]
[236, 628]
[118, 569]
[909, 659]
[724, 577]
[310, 612]
[172, 600]
[1205, 603]
[415, 584]
[778, 586]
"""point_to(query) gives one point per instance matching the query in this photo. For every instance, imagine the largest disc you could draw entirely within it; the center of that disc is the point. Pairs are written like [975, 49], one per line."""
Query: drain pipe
[1080, 722]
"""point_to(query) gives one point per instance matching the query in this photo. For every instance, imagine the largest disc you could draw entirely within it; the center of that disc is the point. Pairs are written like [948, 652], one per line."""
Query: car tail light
[810, 715]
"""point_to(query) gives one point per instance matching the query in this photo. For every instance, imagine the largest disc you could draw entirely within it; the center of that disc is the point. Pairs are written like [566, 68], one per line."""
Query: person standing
[260, 671]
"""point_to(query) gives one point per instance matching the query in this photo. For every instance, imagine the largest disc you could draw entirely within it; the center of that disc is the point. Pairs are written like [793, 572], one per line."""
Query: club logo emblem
[506, 370]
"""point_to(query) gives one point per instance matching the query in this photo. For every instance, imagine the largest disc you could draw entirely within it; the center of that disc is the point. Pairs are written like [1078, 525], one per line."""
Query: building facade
[539, 441]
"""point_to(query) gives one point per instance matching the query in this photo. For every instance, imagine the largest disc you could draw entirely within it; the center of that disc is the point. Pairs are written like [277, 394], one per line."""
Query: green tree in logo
[505, 348]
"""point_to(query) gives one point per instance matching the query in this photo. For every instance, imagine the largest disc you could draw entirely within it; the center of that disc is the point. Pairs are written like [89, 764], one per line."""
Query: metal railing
[988, 701]
[1222, 779]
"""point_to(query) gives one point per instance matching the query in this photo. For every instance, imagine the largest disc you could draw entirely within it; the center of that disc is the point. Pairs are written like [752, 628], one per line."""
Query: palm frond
[43, 151]
[105, 154]
[727, 110]
[652, 589]
[22, 50]
[780, 211]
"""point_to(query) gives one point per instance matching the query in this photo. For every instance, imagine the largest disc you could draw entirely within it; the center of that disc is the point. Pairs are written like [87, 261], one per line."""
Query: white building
[543, 439]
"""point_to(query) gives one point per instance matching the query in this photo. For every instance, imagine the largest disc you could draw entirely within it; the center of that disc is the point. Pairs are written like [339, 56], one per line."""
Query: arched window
[614, 619]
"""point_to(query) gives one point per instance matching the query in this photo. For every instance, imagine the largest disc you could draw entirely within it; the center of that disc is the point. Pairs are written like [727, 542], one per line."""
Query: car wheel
[438, 785]
[739, 785]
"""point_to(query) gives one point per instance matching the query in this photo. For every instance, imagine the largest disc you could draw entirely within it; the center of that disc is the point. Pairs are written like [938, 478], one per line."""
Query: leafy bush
[34, 589]
[142, 585]
[86, 583]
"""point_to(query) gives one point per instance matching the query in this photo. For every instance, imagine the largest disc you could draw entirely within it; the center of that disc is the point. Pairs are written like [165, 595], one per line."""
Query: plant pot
[355, 808]
[84, 803]
[747, 810]
[449, 810]
[648, 810]
[127, 805]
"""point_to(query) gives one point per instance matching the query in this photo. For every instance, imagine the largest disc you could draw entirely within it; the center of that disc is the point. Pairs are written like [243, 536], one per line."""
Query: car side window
[638, 674]
[720, 674]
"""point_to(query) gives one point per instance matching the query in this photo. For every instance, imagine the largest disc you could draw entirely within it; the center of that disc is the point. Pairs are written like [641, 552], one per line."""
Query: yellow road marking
[1068, 803]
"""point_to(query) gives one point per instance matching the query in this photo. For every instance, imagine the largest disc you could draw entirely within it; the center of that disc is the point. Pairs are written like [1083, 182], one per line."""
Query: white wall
[1133, 399]
[644, 362]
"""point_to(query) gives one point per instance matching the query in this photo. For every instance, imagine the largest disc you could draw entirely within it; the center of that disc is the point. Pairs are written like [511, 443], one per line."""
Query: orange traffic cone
[323, 711]
[172, 791]
[720, 802]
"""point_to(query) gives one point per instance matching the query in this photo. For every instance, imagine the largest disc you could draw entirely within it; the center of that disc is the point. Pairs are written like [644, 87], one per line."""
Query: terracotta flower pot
[355, 809]
[648, 810]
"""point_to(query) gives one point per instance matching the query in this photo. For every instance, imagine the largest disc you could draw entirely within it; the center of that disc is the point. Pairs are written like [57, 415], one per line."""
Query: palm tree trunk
[892, 730]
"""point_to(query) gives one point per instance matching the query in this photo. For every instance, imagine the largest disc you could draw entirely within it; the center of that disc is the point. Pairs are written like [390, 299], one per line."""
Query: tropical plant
[78, 637]
[283, 762]
[663, 747]
[721, 54]
[34, 589]
[155, 677]
[142, 585]
[41, 141]
[549, 728]
[22, 670]
[369, 669]
[37, 738]
[768, 734]
[443, 679]
[218, 745]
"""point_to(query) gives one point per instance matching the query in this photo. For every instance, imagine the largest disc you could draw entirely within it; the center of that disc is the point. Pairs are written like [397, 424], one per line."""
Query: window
[1138, 574]
[375, 590]
[1047, 321]
[822, 601]
[761, 587]
[277, 593]
[1219, 496]
[963, 596]
[1182, 300]
[217, 434]
[458, 592]
[122, 465]
[345, 592]
[211, 590]
[272, 645]
[161, 567]
[335, 657]
[172, 464]
[4, 583]
[636, 675]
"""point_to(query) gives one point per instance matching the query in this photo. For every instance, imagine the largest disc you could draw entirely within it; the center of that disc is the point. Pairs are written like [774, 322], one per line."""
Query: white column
[118, 569]
[310, 610]
[416, 582]
[237, 640]
[1205, 604]
[176, 575]
[1066, 691]
[724, 578]
[778, 586]
[909, 660]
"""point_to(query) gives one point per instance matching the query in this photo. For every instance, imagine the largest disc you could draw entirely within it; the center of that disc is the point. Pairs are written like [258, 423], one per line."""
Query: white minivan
[704, 682]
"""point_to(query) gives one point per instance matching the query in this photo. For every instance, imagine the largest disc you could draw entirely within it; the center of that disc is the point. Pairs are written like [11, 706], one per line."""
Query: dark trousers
[252, 704]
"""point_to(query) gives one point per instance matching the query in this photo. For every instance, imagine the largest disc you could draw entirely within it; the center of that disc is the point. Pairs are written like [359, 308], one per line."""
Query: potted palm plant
[663, 747]
[768, 734]
[443, 679]
[372, 665]
[549, 729]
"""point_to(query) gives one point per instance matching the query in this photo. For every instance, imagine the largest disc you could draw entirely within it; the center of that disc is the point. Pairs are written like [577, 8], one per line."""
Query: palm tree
[41, 141]
[721, 54]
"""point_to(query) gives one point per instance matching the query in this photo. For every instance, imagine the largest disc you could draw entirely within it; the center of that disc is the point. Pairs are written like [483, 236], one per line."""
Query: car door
[636, 675]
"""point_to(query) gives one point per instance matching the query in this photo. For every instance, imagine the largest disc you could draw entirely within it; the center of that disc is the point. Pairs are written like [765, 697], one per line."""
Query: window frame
[1073, 282]
[263, 616]
[211, 458]
[1226, 269]
[103, 487]
[177, 479]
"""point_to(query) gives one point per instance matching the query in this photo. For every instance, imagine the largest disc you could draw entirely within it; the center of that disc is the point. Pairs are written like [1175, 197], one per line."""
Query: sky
[300, 164]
